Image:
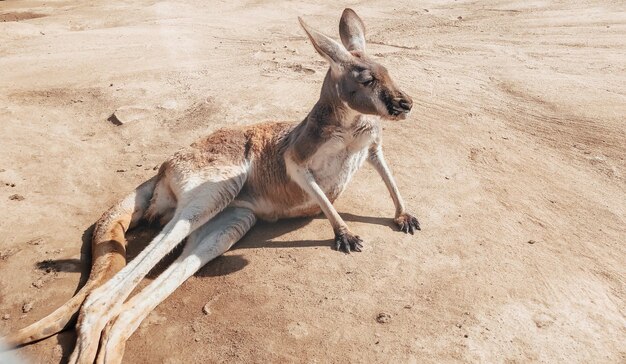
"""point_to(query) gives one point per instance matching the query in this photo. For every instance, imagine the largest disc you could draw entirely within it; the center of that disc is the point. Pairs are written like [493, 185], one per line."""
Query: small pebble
[531, 241]
[6, 316]
[27, 307]
[16, 197]
[206, 309]
[383, 318]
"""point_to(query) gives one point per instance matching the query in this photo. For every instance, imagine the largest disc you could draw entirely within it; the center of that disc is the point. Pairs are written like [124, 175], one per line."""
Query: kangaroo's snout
[401, 105]
[405, 103]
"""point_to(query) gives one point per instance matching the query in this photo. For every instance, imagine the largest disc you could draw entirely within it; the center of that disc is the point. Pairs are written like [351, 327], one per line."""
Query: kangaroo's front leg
[344, 239]
[405, 221]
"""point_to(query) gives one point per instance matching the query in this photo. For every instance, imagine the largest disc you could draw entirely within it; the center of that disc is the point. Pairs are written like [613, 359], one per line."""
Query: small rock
[459, 325]
[531, 241]
[459, 17]
[38, 283]
[16, 197]
[206, 309]
[383, 318]
[128, 114]
[466, 336]
[197, 339]
[6, 316]
[27, 307]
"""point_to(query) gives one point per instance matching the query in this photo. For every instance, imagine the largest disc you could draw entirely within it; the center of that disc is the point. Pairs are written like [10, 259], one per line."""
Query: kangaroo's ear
[334, 52]
[352, 31]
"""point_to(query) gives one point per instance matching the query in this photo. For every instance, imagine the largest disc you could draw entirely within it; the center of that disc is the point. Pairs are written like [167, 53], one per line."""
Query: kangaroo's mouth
[397, 115]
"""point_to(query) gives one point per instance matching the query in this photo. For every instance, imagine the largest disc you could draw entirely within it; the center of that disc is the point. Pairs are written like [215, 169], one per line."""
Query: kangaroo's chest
[344, 152]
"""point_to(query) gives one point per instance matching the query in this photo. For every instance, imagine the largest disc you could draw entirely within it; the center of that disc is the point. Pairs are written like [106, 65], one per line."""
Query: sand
[513, 160]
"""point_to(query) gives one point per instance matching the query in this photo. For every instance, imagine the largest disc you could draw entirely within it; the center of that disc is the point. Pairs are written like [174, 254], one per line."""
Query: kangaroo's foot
[346, 241]
[407, 223]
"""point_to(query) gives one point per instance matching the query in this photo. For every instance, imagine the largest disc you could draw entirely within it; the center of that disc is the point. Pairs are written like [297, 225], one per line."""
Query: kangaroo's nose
[404, 103]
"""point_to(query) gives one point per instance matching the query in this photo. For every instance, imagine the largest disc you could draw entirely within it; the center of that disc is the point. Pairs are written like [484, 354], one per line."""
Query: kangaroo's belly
[289, 200]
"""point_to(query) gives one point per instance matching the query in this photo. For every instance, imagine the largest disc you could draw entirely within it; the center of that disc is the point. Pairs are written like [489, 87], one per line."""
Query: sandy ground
[513, 160]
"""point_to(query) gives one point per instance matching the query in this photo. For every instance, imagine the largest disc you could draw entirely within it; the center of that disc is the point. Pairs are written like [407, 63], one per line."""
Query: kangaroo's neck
[330, 109]
[328, 113]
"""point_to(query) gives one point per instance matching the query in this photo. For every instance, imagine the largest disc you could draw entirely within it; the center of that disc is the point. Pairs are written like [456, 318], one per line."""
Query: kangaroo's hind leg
[201, 195]
[208, 242]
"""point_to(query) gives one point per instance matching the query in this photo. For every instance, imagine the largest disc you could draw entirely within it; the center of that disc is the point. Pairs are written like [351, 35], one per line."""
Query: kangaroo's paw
[407, 223]
[347, 242]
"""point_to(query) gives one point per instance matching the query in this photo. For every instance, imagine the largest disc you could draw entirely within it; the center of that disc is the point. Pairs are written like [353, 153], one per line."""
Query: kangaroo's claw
[348, 242]
[407, 223]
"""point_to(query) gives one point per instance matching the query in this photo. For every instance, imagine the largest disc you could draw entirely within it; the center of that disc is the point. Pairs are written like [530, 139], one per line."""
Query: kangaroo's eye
[368, 82]
[364, 77]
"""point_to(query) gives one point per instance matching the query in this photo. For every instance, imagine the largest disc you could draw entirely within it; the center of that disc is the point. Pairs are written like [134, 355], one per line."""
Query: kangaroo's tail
[108, 251]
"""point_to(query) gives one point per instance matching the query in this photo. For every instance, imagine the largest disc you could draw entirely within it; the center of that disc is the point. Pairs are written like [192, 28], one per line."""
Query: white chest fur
[336, 161]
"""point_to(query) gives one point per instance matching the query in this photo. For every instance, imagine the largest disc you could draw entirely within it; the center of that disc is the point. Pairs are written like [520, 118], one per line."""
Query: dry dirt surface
[513, 160]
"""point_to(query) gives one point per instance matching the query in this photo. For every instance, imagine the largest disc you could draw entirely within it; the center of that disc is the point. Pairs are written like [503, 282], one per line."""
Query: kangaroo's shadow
[262, 235]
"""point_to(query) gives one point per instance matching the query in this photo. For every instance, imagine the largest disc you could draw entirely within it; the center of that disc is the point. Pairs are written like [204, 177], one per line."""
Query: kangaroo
[214, 191]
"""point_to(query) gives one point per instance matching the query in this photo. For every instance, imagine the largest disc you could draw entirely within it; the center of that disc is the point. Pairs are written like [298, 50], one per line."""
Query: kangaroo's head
[361, 83]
